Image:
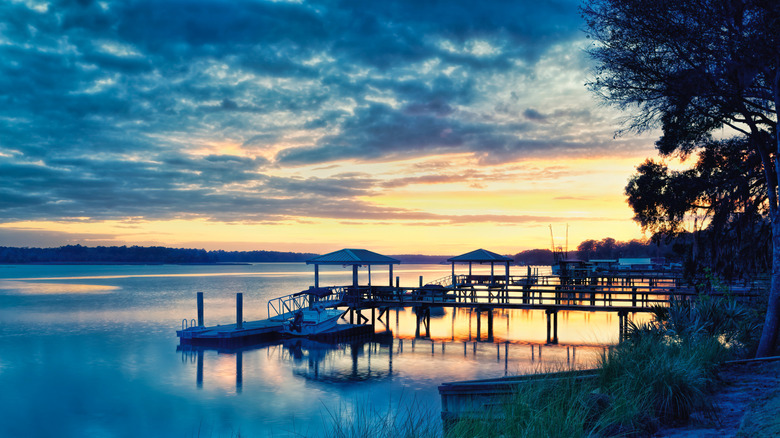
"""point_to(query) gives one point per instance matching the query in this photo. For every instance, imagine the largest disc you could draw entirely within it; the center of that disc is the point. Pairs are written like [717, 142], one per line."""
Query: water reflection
[106, 363]
[383, 358]
[35, 288]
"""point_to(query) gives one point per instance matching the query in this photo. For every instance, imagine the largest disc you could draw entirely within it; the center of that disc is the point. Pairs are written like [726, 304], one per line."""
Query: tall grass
[540, 407]
[662, 373]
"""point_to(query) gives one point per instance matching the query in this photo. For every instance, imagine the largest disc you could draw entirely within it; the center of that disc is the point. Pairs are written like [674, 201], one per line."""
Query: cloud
[207, 108]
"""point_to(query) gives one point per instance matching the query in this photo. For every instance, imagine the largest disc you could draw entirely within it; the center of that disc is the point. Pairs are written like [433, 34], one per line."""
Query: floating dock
[244, 333]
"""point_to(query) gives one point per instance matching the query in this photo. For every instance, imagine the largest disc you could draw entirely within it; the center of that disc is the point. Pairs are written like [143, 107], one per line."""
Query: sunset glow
[313, 136]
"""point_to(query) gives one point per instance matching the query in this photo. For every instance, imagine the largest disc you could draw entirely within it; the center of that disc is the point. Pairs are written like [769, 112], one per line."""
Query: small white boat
[312, 321]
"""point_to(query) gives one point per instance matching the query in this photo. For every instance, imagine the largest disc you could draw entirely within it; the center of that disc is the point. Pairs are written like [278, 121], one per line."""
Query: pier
[617, 291]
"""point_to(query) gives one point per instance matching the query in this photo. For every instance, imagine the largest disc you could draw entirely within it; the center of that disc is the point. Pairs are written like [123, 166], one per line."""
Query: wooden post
[548, 326]
[200, 309]
[490, 325]
[316, 275]
[239, 310]
[390, 276]
[453, 275]
[633, 296]
[421, 281]
[354, 275]
[555, 327]
[479, 325]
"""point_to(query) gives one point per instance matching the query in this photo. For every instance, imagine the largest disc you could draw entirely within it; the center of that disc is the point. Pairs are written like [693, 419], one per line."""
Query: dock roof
[480, 255]
[352, 257]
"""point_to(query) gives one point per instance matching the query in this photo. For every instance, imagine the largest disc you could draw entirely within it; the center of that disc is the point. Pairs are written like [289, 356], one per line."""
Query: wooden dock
[623, 295]
[243, 333]
[484, 399]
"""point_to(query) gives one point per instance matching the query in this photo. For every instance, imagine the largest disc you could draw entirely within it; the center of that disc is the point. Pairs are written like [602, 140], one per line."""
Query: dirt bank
[747, 404]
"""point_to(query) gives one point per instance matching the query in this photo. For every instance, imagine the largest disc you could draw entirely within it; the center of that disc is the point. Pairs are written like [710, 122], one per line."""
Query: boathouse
[356, 258]
[481, 256]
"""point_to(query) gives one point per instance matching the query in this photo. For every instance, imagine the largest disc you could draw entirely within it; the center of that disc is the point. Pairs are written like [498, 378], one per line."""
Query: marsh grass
[663, 372]
[547, 406]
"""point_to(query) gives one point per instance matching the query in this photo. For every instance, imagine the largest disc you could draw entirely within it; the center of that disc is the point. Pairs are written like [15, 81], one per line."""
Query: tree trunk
[766, 346]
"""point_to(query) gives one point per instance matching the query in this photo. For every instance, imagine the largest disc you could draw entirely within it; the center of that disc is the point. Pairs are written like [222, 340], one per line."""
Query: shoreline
[746, 403]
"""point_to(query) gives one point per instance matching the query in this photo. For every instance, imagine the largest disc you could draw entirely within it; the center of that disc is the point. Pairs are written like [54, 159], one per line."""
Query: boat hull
[312, 322]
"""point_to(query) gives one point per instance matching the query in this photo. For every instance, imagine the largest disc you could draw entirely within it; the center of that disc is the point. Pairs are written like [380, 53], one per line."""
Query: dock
[623, 292]
[485, 399]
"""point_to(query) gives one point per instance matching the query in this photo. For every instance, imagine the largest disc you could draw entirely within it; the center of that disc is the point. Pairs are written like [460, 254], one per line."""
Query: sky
[403, 127]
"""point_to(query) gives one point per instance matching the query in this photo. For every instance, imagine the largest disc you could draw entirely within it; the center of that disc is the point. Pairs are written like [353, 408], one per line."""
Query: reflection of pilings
[199, 372]
[506, 358]
[354, 353]
[423, 317]
[622, 325]
[390, 358]
[554, 320]
[239, 371]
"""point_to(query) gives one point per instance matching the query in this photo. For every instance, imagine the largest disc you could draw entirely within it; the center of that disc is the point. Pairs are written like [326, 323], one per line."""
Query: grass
[662, 373]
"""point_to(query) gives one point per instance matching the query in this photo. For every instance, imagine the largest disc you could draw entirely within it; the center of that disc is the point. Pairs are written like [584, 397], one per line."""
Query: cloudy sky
[397, 126]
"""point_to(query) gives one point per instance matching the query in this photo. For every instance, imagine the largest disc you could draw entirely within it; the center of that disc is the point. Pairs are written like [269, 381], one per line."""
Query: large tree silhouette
[693, 67]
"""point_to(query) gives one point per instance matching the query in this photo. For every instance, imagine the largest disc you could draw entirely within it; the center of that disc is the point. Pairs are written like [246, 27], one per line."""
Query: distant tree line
[163, 255]
[142, 254]
[609, 249]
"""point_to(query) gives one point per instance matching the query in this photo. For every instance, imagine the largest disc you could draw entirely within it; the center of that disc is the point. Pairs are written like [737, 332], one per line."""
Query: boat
[312, 321]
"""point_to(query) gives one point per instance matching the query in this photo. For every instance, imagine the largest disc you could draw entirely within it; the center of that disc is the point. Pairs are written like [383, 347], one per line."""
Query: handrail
[288, 304]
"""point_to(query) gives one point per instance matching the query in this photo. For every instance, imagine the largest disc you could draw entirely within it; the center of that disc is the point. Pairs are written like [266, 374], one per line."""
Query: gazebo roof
[352, 257]
[480, 255]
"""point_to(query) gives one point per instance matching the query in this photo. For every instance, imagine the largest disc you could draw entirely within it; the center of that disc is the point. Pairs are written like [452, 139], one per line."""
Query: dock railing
[284, 307]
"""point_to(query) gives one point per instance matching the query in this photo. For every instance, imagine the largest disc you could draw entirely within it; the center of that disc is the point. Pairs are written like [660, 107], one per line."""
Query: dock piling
[200, 309]
[239, 310]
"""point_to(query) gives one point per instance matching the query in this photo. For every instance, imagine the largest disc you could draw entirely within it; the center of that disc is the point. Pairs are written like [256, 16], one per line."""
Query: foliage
[691, 68]
[725, 190]
[663, 372]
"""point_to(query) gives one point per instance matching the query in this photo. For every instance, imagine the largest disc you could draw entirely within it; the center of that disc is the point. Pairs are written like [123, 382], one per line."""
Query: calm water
[92, 351]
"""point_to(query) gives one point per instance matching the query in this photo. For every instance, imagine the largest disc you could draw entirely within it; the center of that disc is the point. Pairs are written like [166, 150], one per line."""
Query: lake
[91, 351]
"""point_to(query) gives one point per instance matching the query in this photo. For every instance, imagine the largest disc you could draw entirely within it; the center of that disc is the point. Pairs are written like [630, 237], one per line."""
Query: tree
[725, 191]
[691, 68]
